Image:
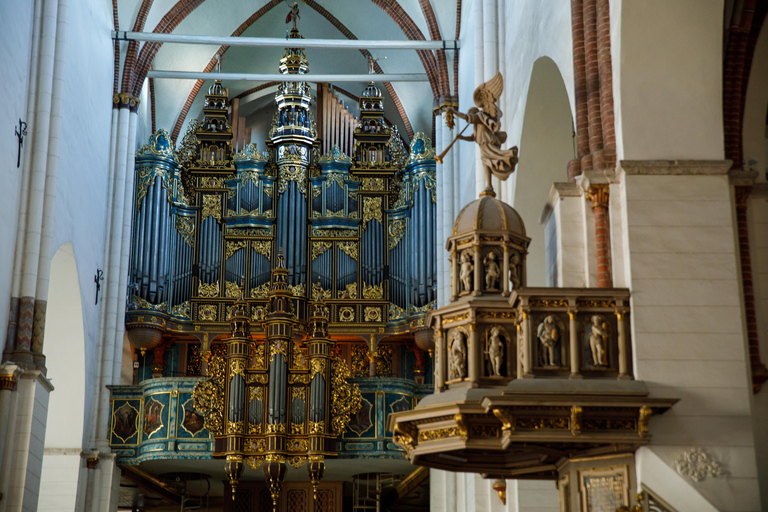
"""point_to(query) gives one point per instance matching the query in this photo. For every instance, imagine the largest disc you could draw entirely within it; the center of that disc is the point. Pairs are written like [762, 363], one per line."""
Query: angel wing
[486, 95]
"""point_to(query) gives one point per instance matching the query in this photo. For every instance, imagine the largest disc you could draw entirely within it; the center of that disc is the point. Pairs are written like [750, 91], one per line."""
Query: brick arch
[170, 21]
[250, 21]
[434, 32]
[129, 71]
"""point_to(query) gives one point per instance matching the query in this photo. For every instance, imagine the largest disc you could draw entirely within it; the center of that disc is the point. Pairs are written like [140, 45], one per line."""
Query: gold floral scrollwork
[346, 399]
[350, 292]
[260, 292]
[299, 361]
[316, 427]
[317, 366]
[423, 309]
[297, 290]
[396, 231]
[263, 247]
[212, 206]
[295, 173]
[299, 445]
[274, 428]
[209, 395]
[212, 182]
[319, 247]
[372, 314]
[373, 184]
[347, 314]
[373, 292]
[237, 367]
[300, 378]
[258, 357]
[296, 461]
[185, 226]
[208, 290]
[549, 303]
[233, 247]
[232, 290]
[235, 428]
[277, 347]
[395, 312]
[645, 416]
[207, 312]
[254, 462]
[595, 303]
[372, 209]
[438, 433]
[258, 445]
[349, 248]
[405, 435]
[181, 310]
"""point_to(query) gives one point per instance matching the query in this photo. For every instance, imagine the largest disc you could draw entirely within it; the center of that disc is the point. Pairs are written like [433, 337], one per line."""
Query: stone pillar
[599, 197]
[478, 285]
[527, 359]
[441, 354]
[575, 345]
[454, 275]
[623, 355]
[475, 355]
[505, 273]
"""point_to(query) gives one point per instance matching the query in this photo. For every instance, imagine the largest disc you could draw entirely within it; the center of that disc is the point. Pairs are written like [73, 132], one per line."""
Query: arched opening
[546, 146]
[64, 346]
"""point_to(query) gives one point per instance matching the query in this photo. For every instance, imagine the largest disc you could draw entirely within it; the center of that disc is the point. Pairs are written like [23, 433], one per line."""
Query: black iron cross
[20, 132]
[98, 278]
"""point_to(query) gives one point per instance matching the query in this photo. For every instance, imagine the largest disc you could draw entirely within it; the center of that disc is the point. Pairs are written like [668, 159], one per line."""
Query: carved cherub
[499, 162]
[466, 271]
[496, 351]
[598, 335]
[549, 336]
[492, 271]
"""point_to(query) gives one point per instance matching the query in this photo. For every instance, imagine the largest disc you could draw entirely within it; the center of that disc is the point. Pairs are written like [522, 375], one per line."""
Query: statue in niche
[514, 274]
[598, 339]
[492, 271]
[466, 271]
[549, 336]
[496, 351]
[457, 356]
[496, 161]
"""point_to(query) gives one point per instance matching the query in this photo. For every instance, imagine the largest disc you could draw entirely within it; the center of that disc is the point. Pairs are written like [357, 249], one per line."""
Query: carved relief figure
[514, 274]
[499, 162]
[457, 356]
[496, 351]
[466, 272]
[549, 336]
[598, 339]
[492, 271]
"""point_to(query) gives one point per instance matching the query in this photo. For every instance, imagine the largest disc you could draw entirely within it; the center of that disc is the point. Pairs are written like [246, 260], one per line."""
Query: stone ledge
[675, 167]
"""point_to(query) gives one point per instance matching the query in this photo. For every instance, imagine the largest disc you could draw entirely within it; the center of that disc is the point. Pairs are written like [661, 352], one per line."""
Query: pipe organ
[208, 222]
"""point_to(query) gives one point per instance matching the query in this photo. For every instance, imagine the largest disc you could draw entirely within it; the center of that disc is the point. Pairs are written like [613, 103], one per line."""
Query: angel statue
[485, 118]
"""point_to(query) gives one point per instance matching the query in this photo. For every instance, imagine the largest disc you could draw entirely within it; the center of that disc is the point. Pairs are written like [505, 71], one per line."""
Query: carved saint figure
[492, 271]
[466, 271]
[514, 277]
[457, 356]
[496, 351]
[485, 118]
[598, 338]
[549, 336]
[294, 14]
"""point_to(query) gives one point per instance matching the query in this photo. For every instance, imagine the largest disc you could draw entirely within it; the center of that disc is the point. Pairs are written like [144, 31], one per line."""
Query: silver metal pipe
[279, 77]
[279, 42]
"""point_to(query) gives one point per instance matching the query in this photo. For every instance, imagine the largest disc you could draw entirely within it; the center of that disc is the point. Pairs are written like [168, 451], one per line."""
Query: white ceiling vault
[365, 19]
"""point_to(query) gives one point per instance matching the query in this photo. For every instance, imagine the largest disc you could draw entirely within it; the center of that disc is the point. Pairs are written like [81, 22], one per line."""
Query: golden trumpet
[439, 158]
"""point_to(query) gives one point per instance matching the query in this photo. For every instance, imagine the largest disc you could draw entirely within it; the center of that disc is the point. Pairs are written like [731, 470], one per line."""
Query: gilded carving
[263, 247]
[396, 230]
[297, 290]
[372, 314]
[231, 290]
[185, 226]
[212, 206]
[438, 433]
[395, 312]
[452, 319]
[374, 184]
[274, 428]
[373, 292]
[347, 314]
[346, 399]
[208, 290]
[319, 247]
[350, 292]
[372, 209]
[350, 248]
[295, 173]
[549, 303]
[595, 303]
[316, 366]
[143, 304]
[207, 312]
[260, 292]
[209, 395]
[233, 247]
[543, 423]
[181, 310]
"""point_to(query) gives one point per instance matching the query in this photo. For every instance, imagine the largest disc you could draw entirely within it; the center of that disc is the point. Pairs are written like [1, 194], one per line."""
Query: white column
[441, 178]
[479, 79]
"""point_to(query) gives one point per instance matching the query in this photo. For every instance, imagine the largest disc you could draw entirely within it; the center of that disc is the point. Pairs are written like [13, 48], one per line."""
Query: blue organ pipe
[147, 245]
[154, 239]
[422, 252]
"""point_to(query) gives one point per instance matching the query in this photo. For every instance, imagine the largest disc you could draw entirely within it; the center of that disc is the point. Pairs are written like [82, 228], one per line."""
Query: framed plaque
[604, 490]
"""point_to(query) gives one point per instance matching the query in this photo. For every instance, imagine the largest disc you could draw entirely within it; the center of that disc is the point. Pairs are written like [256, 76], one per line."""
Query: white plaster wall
[668, 96]
[15, 50]
[83, 163]
[570, 242]
[687, 326]
[64, 347]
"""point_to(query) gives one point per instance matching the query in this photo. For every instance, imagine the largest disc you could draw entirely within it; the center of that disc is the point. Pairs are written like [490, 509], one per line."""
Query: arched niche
[64, 348]
[546, 146]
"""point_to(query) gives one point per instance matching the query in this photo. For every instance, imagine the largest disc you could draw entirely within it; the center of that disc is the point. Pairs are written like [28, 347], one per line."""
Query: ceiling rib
[278, 77]
[278, 42]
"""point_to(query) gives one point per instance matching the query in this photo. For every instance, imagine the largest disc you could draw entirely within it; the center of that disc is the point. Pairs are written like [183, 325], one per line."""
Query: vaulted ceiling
[177, 101]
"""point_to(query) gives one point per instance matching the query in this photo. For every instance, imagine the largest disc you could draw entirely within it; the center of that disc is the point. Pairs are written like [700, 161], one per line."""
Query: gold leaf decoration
[209, 395]
[232, 290]
[143, 304]
[373, 183]
[181, 310]
[260, 292]
[371, 209]
[186, 228]
[212, 206]
[373, 292]
[346, 399]
[395, 312]
[208, 290]
[349, 293]
[350, 248]
[347, 314]
[396, 231]
[233, 247]
[295, 173]
[319, 247]
[372, 314]
[207, 312]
